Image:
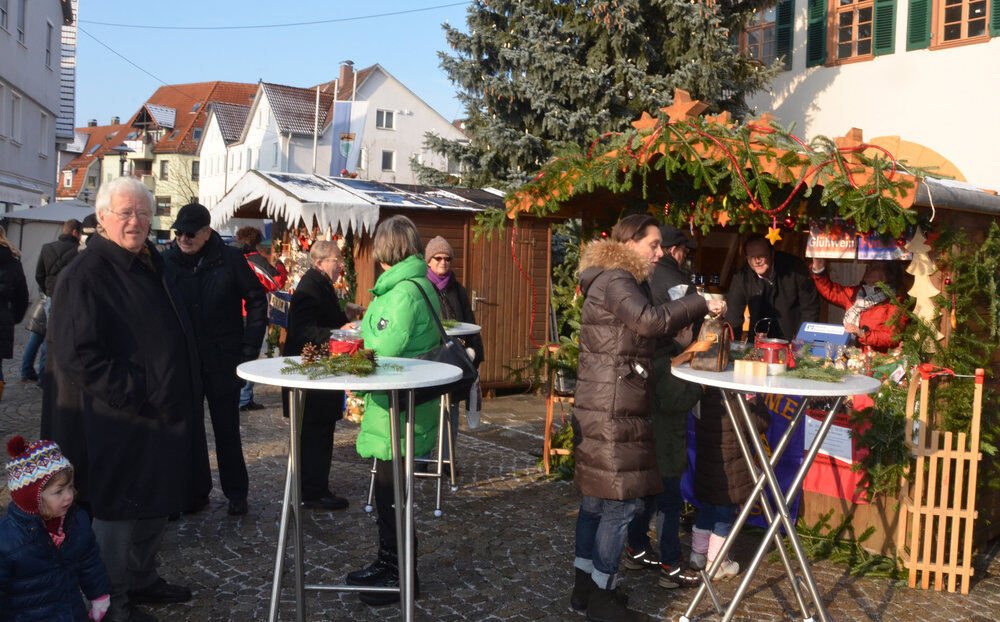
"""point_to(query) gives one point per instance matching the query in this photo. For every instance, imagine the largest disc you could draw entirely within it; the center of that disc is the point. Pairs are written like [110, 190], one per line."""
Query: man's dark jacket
[455, 305]
[53, 257]
[46, 581]
[214, 285]
[313, 312]
[791, 300]
[13, 299]
[122, 393]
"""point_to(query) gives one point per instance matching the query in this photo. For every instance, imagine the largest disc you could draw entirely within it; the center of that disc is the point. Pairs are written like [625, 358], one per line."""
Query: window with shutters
[852, 29]
[758, 38]
[960, 21]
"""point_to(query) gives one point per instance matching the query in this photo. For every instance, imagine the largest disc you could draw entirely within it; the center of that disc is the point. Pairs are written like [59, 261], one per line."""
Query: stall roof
[58, 211]
[341, 203]
[956, 195]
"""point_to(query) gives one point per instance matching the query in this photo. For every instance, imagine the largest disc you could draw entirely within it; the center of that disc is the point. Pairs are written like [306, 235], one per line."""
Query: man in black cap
[672, 398]
[216, 283]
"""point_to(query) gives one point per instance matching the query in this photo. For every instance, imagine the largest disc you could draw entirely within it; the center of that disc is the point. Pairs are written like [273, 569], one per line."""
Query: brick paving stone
[501, 551]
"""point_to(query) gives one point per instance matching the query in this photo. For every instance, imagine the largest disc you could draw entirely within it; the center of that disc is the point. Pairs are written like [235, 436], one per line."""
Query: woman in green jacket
[397, 323]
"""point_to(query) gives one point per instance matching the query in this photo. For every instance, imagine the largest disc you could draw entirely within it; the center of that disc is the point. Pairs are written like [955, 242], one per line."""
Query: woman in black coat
[13, 297]
[455, 305]
[313, 312]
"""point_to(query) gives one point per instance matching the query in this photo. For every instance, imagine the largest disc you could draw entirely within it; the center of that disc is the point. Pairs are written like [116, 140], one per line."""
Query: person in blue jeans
[613, 431]
[35, 347]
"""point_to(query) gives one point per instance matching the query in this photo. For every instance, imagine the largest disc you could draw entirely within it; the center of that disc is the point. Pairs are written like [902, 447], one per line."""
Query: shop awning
[58, 211]
[341, 203]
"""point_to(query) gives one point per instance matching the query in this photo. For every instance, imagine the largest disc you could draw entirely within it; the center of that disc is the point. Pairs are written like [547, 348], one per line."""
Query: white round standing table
[734, 389]
[402, 374]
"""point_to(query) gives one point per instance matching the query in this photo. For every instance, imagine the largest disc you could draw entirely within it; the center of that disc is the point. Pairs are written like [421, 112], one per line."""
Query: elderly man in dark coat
[122, 395]
[216, 283]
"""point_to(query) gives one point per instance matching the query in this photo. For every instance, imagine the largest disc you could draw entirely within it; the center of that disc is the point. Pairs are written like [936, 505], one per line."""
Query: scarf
[439, 282]
[867, 297]
[54, 527]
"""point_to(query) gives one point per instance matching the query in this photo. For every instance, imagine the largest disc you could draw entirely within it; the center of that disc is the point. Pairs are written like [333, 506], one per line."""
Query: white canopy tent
[340, 203]
[30, 229]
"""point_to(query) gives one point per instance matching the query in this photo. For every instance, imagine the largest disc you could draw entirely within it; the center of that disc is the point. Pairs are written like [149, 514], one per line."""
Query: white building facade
[30, 102]
[919, 70]
[277, 133]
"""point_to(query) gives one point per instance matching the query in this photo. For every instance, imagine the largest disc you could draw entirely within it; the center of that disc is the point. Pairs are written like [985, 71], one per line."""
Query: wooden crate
[938, 511]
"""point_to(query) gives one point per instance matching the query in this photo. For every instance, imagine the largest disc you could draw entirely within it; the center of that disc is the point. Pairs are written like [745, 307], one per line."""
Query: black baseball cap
[672, 236]
[191, 218]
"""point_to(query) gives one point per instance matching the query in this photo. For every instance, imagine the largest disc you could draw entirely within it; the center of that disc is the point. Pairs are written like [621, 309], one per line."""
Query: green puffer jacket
[398, 323]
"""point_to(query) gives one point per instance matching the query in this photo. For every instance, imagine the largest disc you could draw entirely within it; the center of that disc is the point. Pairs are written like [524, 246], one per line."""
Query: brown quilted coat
[615, 454]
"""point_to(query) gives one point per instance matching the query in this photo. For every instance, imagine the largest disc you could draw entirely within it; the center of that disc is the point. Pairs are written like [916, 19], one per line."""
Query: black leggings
[384, 510]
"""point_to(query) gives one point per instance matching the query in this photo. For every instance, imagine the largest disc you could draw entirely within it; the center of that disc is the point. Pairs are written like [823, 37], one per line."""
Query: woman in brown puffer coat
[615, 454]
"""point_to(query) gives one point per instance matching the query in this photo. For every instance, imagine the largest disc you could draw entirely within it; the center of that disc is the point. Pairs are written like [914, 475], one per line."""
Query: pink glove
[99, 607]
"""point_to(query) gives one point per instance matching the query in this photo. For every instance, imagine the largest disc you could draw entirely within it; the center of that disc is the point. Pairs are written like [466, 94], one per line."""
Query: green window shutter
[995, 18]
[918, 26]
[884, 27]
[816, 33]
[784, 21]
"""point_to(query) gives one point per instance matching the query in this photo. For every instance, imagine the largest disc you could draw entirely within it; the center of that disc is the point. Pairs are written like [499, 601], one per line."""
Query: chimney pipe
[92, 123]
[116, 121]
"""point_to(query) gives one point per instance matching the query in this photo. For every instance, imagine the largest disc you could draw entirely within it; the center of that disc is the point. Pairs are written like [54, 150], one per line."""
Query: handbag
[452, 352]
[710, 352]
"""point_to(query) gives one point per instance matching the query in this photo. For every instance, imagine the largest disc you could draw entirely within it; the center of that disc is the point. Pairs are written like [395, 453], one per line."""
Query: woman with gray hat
[455, 305]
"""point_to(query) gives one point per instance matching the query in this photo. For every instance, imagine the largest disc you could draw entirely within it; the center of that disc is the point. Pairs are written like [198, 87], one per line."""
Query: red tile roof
[189, 102]
[101, 140]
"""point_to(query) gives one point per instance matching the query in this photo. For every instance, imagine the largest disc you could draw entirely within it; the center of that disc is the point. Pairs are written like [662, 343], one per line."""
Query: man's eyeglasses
[129, 215]
[440, 258]
[187, 234]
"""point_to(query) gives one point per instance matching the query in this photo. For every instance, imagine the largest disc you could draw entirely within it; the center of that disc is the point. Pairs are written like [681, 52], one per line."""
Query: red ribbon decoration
[350, 346]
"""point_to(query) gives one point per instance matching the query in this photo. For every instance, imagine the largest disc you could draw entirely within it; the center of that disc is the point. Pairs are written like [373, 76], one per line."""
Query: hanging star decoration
[773, 234]
[722, 218]
[684, 107]
[645, 123]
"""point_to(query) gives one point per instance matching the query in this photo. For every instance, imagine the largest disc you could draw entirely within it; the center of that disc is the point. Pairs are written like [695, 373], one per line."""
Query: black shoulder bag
[452, 352]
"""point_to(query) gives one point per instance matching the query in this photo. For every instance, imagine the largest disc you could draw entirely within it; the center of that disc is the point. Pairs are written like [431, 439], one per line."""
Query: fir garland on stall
[317, 362]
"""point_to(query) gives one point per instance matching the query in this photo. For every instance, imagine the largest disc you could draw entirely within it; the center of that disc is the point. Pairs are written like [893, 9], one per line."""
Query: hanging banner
[873, 247]
[347, 134]
[834, 242]
[782, 409]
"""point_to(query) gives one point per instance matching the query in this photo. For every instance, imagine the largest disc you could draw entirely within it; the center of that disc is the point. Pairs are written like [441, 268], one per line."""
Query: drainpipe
[315, 129]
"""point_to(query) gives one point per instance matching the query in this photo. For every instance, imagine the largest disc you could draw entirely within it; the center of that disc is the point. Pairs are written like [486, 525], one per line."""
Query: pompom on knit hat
[437, 246]
[30, 467]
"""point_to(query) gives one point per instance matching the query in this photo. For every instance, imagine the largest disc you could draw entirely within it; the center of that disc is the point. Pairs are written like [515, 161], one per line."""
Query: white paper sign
[837, 443]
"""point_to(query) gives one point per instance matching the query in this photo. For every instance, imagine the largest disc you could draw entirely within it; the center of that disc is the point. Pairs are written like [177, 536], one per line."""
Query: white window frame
[392, 155]
[43, 135]
[4, 11]
[164, 170]
[22, 20]
[67, 179]
[363, 158]
[50, 30]
[14, 122]
[381, 115]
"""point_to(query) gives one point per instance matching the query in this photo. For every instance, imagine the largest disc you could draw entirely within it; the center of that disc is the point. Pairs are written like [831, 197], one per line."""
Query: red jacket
[881, 334]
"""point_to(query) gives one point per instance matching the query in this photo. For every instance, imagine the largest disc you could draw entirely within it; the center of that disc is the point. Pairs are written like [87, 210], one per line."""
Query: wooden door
[504, 298]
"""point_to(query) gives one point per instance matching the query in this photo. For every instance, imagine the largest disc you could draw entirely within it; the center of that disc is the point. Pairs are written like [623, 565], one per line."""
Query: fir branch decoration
[808, 367]
[448, 323]
[315, 365]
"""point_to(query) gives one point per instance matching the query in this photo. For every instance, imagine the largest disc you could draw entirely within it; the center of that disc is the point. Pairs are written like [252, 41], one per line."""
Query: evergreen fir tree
[536, 76]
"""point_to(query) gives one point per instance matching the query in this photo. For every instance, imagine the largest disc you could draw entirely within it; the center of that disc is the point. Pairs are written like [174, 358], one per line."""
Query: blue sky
[406, 45]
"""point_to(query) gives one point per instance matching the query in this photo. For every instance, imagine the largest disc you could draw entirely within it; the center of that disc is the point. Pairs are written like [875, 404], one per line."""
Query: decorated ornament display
[923, 290]
[773, 232]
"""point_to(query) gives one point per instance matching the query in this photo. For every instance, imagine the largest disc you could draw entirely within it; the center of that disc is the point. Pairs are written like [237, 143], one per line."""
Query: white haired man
[122, 395]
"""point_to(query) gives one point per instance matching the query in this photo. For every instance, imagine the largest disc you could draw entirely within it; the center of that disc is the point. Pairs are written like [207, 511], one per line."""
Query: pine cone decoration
[311, 353]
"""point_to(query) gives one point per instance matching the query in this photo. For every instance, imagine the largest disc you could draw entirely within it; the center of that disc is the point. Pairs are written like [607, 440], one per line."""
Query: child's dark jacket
[39, 581]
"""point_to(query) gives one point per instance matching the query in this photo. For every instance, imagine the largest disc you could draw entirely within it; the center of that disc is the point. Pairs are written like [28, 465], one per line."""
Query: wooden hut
[511, 306]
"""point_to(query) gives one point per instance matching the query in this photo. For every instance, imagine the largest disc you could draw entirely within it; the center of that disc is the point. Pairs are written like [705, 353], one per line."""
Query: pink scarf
[439, 282]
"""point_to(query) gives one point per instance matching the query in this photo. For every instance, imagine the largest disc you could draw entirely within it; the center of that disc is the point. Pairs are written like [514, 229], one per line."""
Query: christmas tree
[536, 76]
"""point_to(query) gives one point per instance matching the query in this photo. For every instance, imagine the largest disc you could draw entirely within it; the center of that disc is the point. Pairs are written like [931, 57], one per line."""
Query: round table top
[462, 329]
[411, 374]
[781, 385]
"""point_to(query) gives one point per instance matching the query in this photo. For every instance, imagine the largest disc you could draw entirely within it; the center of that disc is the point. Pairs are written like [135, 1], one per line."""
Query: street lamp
[122, 152]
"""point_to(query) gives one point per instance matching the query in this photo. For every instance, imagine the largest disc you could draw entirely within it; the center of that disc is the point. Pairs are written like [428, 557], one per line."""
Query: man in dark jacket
[122, 395]
[55, 256]
[216, 283]
[775, 286]
[671, 400]
[313, 313]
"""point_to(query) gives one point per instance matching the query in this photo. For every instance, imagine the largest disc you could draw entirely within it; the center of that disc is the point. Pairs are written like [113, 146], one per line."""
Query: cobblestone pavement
[502, 550]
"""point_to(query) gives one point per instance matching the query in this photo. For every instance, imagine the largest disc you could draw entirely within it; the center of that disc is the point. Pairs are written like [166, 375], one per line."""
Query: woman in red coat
[870, 310]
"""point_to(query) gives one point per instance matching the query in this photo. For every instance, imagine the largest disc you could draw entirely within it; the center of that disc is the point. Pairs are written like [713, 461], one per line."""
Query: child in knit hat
[48, 553]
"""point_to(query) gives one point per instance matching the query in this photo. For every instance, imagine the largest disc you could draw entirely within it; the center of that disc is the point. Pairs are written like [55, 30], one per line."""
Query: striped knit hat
[30, 467]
